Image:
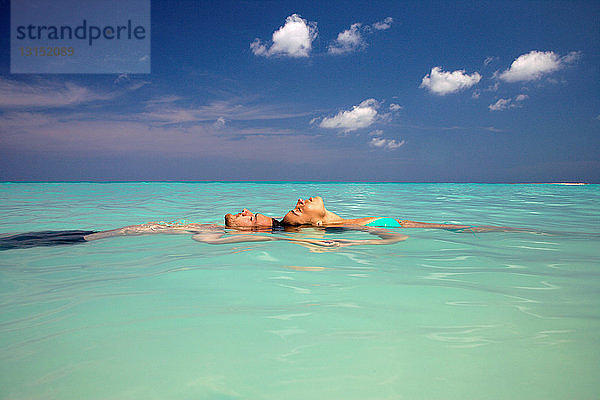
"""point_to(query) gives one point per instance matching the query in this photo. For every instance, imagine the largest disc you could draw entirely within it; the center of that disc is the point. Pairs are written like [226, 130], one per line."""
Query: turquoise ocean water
[442, 315]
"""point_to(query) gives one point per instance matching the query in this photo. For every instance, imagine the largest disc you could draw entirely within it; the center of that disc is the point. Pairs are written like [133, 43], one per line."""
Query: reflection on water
[442, 315]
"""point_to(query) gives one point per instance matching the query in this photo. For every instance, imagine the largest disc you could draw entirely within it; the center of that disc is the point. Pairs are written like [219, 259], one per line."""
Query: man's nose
[245, 211]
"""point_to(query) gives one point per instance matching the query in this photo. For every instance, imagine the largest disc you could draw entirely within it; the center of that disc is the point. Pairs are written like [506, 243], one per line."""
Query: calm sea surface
[442, 315]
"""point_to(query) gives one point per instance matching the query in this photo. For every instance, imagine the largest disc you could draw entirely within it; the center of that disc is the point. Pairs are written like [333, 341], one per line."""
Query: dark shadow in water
[44, 238]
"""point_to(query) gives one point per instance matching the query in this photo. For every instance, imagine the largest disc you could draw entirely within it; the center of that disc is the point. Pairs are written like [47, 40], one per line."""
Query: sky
[401, 91]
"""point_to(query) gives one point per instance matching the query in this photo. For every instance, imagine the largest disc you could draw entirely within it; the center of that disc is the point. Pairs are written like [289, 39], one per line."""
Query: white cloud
[500, 105]
[521, 97]
[535, 64]
[488, 60]
[389, 144]
[348, 41]
[294, 39]
[360, 116]
[503, 104]
[258, 48]
[137, 85]
[46, 94]
[395, 107]
[166, 112]
[353, 39]
[122, 77]
[553, 81]
[379, 141]
[220, 123]
[383, 25]
[494, 87]
[43, 132]
[571, 57]
[476, 94]
[167, 99]
[443, 82]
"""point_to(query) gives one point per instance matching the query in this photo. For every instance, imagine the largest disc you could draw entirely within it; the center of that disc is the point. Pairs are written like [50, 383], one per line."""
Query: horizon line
[292, 181]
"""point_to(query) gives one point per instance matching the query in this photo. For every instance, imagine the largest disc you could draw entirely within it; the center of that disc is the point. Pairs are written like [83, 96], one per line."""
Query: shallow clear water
[441, 316]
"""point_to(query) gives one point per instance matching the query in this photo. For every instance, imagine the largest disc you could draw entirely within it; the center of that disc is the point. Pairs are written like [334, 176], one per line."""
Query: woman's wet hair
[277, 225]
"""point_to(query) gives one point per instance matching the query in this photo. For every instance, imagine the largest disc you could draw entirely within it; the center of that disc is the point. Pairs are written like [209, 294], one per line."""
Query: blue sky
[338, 91]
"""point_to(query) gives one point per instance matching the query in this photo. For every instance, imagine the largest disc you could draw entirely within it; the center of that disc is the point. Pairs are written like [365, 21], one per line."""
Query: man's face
[246, 219]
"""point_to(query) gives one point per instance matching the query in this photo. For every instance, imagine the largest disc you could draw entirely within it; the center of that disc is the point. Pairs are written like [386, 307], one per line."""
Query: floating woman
[312, 212]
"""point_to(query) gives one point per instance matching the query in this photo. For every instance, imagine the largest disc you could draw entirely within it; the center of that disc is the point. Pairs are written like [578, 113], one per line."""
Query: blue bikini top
[385, 222]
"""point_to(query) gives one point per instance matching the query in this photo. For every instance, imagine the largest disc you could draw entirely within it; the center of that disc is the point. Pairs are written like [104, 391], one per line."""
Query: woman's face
[306, 212]
[247, 219]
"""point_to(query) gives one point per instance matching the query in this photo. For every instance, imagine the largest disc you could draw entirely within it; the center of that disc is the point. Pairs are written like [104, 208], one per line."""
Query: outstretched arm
[153, 228]
[386, 237]
[454, 227]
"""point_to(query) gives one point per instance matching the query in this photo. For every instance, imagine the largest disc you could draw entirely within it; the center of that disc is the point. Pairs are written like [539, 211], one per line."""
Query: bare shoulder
[360, 221]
